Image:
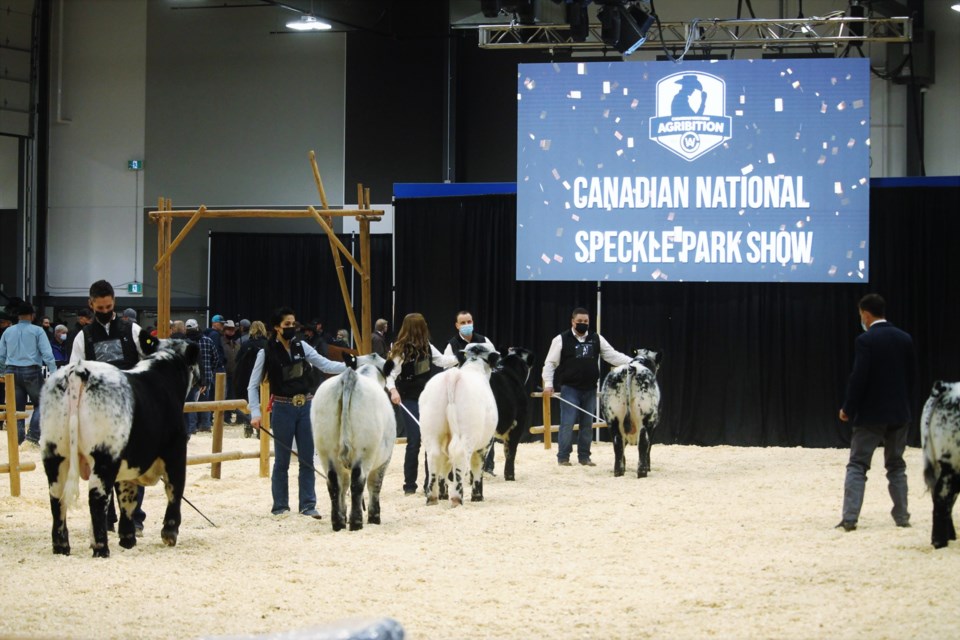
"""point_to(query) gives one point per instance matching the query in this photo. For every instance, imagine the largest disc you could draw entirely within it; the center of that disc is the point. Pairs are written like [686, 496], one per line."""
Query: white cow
[354, 430]
[940, 441]
[458, 417]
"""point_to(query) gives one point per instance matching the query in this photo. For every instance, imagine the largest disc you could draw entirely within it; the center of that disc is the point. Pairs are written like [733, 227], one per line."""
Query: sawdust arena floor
[718, 542]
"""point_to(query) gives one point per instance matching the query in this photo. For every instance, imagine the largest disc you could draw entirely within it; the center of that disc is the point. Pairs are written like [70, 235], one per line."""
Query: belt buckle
[298, 400]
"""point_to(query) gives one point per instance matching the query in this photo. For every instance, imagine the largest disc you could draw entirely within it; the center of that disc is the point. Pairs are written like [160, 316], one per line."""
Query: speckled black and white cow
[940, 441]
[458, 417]
[106, 425]
[354, 430]
[630, 401]
[508, 380]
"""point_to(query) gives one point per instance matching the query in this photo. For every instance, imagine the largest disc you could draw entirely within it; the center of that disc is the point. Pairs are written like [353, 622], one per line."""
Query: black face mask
[289, 333]
[582, 327]
[104, 317]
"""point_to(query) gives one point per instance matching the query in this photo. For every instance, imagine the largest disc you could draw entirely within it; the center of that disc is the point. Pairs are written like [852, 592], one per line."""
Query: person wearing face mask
[59, 344]
[880, 394]
[466, 335]
[108, 338]
[285, 361]
[573, 365]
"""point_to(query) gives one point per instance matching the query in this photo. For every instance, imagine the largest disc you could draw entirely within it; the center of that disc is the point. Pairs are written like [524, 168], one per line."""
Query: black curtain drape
[251, 274]
[757, 364]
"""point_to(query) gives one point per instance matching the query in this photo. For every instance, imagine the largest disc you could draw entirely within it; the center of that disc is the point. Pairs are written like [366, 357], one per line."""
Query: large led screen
[741, 170]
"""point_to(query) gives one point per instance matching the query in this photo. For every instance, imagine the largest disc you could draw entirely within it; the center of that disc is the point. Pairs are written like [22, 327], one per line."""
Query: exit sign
[135, 165]
[135, 288]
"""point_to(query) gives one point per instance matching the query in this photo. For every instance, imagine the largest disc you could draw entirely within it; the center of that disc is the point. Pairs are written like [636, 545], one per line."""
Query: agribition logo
[691, 114]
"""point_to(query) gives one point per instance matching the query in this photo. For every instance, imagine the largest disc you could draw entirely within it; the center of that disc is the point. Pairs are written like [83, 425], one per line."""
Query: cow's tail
[71, 489]
[349, 381]
[931, 460]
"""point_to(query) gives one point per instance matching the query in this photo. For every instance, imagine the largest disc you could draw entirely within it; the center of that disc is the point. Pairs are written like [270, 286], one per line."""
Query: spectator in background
[177, 330]
[244, 330]
[378, 339]
[60, 344]
[24, 348]
[47, 327]
[209, 363]
[231, 346]
[129, 316]
[84, 317]
[342, 339]
[5, 321]
[318, 341]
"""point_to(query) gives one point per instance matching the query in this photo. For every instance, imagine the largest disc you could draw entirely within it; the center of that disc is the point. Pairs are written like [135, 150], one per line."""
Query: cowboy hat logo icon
[691, 114]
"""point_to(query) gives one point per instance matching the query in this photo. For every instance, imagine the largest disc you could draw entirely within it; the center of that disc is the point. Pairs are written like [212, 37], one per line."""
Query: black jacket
[881, 389]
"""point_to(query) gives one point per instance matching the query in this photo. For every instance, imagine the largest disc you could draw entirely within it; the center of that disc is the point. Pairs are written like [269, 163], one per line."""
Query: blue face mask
[466, 330]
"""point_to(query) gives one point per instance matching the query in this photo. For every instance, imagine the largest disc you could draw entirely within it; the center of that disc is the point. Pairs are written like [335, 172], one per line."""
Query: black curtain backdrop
[253, 274]
[756, 364]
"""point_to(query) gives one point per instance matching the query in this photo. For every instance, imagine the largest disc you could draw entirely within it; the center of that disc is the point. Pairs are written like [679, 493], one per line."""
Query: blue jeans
[288, 423]
[204, 420]
[27, 382]
[411, 457]
[586, 399]
[190, 419]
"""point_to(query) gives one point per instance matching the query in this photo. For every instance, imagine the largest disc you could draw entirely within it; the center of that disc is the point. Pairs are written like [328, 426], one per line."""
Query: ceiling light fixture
[956, 6]
[308, 23]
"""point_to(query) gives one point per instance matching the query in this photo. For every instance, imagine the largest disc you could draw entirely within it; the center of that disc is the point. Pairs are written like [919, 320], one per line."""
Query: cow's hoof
[373, 519]
[508, 478]
[617, 473]
[339, 526]
[939, 544]
[169, 538]
[432, 501]
[61, 549]
[129, 542]
[476, 498]
[456, 501]
[356, 525]
[641, 474]
[102, 552]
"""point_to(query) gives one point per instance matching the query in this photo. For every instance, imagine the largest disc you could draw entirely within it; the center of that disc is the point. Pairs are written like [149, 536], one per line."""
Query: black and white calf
[354, 430]
[508, 380]
[630, 400]
[458, 417]
[940, 441]
[106, 425]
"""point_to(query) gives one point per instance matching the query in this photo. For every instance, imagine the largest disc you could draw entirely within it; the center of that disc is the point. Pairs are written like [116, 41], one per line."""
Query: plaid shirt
[209, 361]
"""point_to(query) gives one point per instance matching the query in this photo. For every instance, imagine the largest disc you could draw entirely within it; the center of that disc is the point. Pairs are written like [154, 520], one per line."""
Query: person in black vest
[415, 362]
[111, 340]
[879, 396]
[573, 359]
[466, 335]
[286, 361]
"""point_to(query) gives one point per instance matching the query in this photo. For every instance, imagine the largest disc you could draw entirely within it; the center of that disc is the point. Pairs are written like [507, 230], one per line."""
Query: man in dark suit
[879, 396]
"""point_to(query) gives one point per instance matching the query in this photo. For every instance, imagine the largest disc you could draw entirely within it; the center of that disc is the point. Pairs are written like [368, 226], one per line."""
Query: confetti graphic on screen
[744, 170]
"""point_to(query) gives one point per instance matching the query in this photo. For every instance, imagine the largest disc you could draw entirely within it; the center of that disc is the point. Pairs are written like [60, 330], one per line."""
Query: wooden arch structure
[164, 216]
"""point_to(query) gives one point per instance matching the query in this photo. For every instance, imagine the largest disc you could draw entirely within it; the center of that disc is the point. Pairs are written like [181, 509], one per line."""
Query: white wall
[9, 167]
[94, 224]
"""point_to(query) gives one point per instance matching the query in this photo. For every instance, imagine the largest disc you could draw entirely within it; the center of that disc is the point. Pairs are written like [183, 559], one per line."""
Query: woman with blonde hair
[415, 362]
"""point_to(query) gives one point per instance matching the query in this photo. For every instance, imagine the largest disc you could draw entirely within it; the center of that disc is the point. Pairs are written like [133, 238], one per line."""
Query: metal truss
[703, 35]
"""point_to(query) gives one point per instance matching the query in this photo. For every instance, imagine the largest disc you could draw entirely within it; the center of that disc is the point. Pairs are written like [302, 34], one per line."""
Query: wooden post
[13, 446]
[265, 423]
[366, 321]
[219, 386]
[547, 424]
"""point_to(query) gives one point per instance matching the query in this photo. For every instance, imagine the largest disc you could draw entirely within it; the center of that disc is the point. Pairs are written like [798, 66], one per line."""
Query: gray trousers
[864, 442]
